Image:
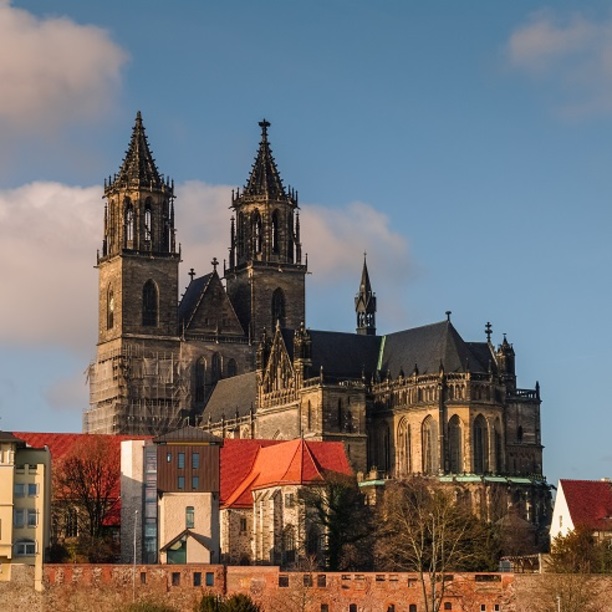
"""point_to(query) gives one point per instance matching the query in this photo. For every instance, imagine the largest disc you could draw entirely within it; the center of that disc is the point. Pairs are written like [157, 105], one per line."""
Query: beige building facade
[25, 507]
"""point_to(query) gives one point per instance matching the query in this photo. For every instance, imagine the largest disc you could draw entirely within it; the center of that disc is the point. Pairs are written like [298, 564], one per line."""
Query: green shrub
[209, 603]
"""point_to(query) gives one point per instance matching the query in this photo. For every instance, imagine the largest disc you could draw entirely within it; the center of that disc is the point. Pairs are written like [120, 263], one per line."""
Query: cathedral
[235, 357]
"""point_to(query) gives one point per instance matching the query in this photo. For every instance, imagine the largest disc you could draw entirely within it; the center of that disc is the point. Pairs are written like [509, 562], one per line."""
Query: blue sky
[466, 146]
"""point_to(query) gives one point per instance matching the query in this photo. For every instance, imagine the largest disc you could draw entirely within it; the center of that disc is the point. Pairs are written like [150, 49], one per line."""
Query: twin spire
[365, 304]
[138, 169]
[265, 179]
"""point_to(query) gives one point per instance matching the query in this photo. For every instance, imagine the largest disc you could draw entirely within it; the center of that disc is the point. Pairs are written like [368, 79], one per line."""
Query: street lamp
[134, 557]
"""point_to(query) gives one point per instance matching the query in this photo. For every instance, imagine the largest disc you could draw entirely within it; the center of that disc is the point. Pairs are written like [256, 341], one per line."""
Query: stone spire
[365, 304]
[265, 178]
[138, 168]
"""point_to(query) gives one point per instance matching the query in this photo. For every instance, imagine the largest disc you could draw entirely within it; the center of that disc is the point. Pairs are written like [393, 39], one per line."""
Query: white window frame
[25, 548]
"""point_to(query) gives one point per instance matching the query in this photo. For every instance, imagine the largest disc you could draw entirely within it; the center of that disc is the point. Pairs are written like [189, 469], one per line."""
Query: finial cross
[215, 263]
[191, 274]
[488, 330]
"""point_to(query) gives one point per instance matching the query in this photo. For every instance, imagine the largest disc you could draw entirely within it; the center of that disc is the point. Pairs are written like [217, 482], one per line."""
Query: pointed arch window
[150, 299]
[216, 367]
[455, 454]
[497, 440]
[278, 308]
[200, 379]
[481, 445]
[428, 437]
[128, 229]
[404, 459]
[257, 232]
[148, 224]
[275, 232]
[110, 308]
[290, 242]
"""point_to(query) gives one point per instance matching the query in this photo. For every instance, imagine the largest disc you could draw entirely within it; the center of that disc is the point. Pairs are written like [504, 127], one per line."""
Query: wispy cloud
[49, 234]
[570, 55]
[54, 70]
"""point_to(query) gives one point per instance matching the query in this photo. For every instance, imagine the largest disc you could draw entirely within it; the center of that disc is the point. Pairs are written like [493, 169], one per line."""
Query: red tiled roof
[290, 462]
[60, 444]
[589, 503]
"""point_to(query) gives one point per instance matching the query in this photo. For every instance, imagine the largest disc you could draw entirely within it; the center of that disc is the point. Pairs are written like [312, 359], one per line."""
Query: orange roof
[291, 462]
[589, 503]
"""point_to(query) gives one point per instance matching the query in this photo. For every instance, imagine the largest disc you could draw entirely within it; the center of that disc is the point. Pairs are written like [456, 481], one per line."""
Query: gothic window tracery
[216, 367]
[497, 446]
[148, 224]
[480, 445]
[455, 445]
[404, 459]
[150, 304]
[428, 437]
[200, 379]
[257, 232]
[128, 224]
[232, 368]
[110, 308]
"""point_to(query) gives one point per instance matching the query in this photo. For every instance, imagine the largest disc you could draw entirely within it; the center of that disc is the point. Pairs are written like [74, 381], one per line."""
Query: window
[148, 224]
[189, 517]
[210, 579]
[283, 580]
[232, 368]
[481, 445]
[195, 483]
[391, 608]
[353, 608]
[289, 500]
[19, 489]
[195, 461]
[32, 518]
[181, 461]
[149, 304]
[412, 608]
[197, 579]
[483, 607]
[143, 577]
[321, 580]
[324, 608]
[19, 517]
[181, 483]
[448, 605]
[32, 490]
[25, 548]
[307, 580]
[243, 525]
[110, 309]
[176, 578]
[496, 608]
[275, 242]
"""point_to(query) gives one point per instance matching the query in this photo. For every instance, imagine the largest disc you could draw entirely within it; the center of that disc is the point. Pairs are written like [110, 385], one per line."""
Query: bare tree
[87, 480]
[423, 530]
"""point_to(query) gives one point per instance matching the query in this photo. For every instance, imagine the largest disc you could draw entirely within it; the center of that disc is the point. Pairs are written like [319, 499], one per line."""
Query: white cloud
[570, 55]
[53, 70]
[49, 235]
[48, 239]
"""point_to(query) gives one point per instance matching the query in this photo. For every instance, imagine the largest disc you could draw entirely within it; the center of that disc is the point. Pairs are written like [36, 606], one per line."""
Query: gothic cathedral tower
[266, 277]
[138, 291]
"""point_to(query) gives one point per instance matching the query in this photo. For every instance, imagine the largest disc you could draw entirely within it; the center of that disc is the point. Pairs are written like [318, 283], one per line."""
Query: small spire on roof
[448, 315]
[488, 331]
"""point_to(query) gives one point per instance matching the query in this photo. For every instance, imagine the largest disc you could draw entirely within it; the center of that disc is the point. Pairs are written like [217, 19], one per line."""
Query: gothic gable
[278, 373]
[206, 308]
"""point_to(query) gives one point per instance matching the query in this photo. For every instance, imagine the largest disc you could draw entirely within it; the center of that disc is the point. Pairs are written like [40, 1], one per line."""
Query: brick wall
[75, 587]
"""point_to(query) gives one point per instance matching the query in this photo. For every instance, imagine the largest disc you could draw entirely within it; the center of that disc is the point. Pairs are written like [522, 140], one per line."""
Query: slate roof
[191, 297]
[589, 503]
[233, 394]
[350, 356]
[428, 347]
[297, 462]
